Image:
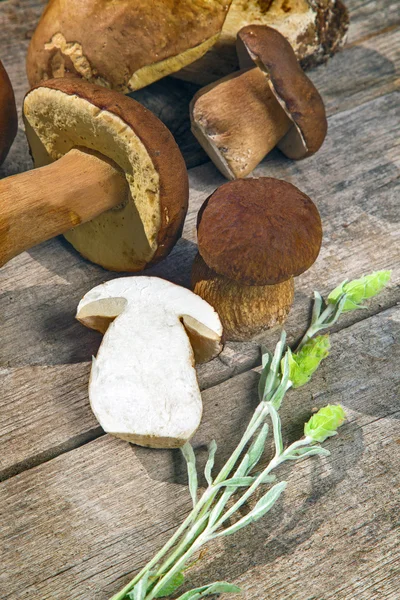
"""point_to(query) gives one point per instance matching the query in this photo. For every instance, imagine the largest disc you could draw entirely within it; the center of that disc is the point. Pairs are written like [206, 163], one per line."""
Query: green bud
[359, 290]
[307, 360]
[324, 423]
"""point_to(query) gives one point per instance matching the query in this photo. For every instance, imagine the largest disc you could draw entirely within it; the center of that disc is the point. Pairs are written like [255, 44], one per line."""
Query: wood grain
[40, 290]
[73, 526]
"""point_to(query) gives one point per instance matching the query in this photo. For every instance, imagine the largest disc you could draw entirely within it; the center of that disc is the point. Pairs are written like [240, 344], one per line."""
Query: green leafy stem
[239, 479]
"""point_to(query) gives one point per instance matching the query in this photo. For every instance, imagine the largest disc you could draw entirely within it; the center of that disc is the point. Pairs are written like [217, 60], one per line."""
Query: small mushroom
[8, 114]
[111, 178]
[124, 44]
[143, 386]
[242, 117]
[254, 236]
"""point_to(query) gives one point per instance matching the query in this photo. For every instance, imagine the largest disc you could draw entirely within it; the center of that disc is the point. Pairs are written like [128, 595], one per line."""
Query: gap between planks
[97, 432]
[113, 504]
[359, 212]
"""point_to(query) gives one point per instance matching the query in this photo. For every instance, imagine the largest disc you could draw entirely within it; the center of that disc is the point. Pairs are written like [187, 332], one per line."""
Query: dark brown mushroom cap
[259, 231]
[8, 114]
[297, 95]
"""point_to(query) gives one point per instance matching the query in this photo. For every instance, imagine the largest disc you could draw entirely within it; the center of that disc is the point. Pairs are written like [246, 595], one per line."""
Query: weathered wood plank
[77, 526]
[40, 289]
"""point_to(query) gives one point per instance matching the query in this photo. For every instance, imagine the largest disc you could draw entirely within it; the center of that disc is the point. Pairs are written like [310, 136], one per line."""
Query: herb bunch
[239, 479]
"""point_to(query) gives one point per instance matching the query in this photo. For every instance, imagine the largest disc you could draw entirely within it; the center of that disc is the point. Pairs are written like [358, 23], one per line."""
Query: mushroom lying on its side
[8, 114]
[254, 236]
[123, 45]
[143, 386]
[242, 117]
[315, 29]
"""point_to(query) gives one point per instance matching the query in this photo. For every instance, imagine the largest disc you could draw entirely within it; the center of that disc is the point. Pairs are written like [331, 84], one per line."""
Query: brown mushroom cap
[62, 114]
[123, 44]
[8, 114]
[297, 95]
[259, 231]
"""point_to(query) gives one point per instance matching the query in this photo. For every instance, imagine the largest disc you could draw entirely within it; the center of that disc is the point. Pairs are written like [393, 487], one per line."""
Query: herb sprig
[238, 479]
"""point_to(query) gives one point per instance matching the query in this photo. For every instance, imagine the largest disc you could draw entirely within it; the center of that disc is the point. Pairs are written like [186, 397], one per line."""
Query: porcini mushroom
[254, 237]
[8, 114]
[117, 184]
[241, 118]
[314, 28]
[123, 45]
[143, 386]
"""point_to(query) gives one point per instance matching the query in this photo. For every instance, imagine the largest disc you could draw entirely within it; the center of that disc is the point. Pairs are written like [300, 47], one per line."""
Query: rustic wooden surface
[81, 510]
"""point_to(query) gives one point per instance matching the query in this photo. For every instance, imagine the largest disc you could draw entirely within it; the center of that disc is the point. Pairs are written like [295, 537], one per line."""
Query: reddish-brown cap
[297, 95]
[259, 231]
[8, 114]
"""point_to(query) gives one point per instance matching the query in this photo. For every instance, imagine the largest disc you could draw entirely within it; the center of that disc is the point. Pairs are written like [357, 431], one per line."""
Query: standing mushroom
[242, 117]
[111, 177]
[8, 114]
[143, 386]
[254, 236]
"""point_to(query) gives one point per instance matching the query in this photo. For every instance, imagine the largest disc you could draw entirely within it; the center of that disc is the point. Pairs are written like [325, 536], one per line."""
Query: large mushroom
[124, 44]
[8, 114]
[242, 117]
[143, 386]
[110, 177]
[254, 237]
[315, 29]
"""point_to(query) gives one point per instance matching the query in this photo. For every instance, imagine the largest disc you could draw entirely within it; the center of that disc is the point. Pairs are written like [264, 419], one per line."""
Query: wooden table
[82, 511]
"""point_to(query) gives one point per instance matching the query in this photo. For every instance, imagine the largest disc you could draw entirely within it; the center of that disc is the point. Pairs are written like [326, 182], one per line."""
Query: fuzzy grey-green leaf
[212, 448]
[190, 458]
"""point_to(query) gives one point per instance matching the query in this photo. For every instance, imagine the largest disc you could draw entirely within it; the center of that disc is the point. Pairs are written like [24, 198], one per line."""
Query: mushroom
[8, 114]
[123, 45]
[254, 236]
[107, 153]
[315, 29]
[143, 386]
[242, 117]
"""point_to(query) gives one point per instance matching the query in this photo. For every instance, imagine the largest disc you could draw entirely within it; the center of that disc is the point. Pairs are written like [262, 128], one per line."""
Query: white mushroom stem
[40, 204]
[238, 121]
[143, 386]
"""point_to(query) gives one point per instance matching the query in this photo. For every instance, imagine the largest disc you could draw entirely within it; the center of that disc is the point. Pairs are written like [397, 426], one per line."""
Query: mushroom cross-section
[143, 386]
[111, 177]
[242, 117]
[8, 114]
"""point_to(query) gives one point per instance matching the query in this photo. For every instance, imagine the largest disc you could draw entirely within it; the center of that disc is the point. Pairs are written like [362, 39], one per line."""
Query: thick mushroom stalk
[143, 386]
[109, 176]
[241, 118]
[245, 310]
[254, 236]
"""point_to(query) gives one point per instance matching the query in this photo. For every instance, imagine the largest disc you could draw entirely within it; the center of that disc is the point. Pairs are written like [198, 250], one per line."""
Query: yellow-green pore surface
[128, 237]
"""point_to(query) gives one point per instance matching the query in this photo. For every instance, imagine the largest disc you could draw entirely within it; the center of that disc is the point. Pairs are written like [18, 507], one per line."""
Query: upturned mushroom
[123, 45]
[8, 114]
[143, 386]
[254, 237]
[315, 29]
[110, 176]
[241, 118]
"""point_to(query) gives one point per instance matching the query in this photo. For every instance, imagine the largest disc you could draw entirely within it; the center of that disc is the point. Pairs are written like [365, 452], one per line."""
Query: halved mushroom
[242, 117]
[143, 386]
